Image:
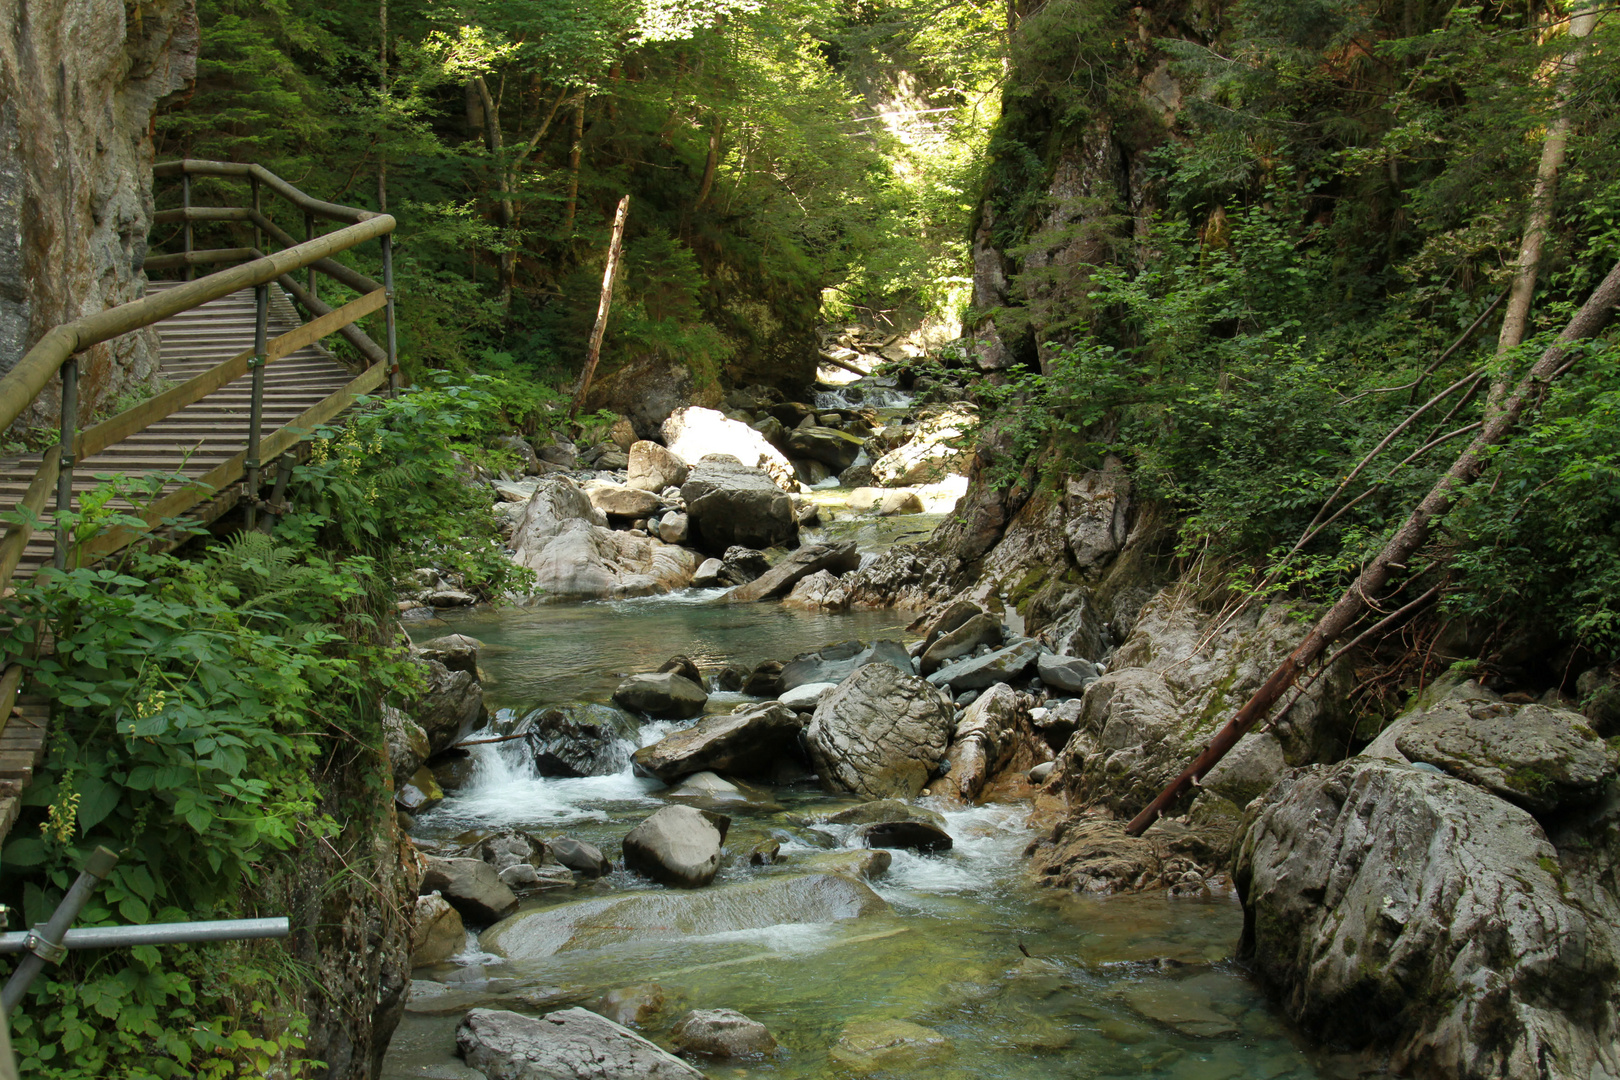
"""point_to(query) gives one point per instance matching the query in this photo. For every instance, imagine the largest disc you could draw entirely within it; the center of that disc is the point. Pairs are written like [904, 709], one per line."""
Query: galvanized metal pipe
[45, 943]
[309, 234]
[250, 464]
[64, 476]
[185, 203]
[179, 933]
[388, 285]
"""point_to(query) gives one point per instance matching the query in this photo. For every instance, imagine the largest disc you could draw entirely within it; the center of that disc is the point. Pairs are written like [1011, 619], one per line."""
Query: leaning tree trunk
[1553, 150]
[593, 351]
[1412, 535]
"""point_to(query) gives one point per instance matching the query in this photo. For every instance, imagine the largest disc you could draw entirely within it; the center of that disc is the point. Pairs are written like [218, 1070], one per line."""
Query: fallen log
[1412, 535]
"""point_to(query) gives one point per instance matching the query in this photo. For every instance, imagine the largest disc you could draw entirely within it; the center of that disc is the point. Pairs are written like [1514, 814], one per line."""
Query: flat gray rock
[677, 846]
[748, 742]
[1071, 674]
[660, 915]
[978, 672]
[573, 1044]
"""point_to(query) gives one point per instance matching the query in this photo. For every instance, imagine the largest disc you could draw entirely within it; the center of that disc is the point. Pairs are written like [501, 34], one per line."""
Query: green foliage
[195, 701]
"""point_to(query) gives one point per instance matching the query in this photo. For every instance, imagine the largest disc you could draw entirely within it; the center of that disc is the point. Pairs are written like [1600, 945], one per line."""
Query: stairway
[207, 432]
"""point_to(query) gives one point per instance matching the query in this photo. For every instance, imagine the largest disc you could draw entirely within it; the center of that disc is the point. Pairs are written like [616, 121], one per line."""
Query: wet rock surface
[661, 694]
[723, 1034]
[1394, 907]
[747, 742]
[573, 1044]
[579, 740]
[472, 887]
[677, 846]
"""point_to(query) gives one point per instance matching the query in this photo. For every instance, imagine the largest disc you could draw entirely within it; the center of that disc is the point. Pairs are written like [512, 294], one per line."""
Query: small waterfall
[863, 394]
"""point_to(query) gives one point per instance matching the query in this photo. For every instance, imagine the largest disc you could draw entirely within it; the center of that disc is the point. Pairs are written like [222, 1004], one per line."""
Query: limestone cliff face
[79, 80]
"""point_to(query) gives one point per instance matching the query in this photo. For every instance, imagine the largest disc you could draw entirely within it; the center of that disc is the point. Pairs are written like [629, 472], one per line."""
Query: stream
[1022, 982]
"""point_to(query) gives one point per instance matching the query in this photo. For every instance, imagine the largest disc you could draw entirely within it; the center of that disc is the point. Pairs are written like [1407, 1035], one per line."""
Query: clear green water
[1120, 987]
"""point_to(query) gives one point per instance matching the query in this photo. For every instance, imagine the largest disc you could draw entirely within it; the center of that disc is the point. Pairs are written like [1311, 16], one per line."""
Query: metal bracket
[66, 461]
[251, 463]
[256, 361]
[47, 951]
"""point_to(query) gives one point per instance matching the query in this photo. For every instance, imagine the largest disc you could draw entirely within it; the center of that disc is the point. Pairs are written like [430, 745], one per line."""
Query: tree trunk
[593, 351]
[1553, 148]
[711, 163]
[574, 153]
[1411, 536]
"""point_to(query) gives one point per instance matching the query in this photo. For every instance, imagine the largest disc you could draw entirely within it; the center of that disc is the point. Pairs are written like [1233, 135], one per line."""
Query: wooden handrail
[245, 170]
[39, 365]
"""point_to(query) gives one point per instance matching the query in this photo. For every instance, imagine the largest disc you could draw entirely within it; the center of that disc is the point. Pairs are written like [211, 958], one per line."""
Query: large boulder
[573, 1044]
[660, 915]
[749, 741]
[579, 740]
[574, 556]
[835, 663]
[1394, 908]
[729, 503]
[677, 846]
[931, 453]
[654, 468]
[471, 886]
[987, 737]
[437, 932]
[813, 559]
[661, 694]
[408, 745]
[450, 706]
[693, 434]
[1538, 757]
[620, 501]
[1171, 684]
[960, 641]
[1068, 674]
[880, 734]
[978, 672]
[833, 448]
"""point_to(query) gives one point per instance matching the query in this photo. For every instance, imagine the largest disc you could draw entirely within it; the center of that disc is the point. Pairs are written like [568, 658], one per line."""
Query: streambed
[1126, 986]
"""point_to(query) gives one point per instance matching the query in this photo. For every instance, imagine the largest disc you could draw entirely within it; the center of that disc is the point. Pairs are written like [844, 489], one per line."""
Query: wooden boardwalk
[189, 443]
[202, 435]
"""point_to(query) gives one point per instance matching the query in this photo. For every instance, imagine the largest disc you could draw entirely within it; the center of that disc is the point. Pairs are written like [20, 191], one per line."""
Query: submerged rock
[572, 1044]
[677, 846]
[648, 916]
[662, 694]
[632, 1004]
[880, 734]
[723, 1034]
[870, 1045]
[710, 791]
[747, 742]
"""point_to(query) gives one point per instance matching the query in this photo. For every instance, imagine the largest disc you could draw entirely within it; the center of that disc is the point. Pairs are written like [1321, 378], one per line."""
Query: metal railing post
[185, 202]
[250, 465]
[276, 506]
[258, 233]
[388, 294]
[64, 477]
[309, 234]
[45, 942]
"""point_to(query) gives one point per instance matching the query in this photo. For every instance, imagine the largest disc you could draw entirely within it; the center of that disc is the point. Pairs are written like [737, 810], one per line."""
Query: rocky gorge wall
[79, 82]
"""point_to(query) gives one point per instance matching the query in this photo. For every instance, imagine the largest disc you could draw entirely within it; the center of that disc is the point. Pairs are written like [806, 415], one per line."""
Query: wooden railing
[55, 355]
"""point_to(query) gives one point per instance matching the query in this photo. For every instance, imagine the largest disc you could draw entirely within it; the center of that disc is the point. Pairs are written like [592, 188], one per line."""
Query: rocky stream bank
[875, 825]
